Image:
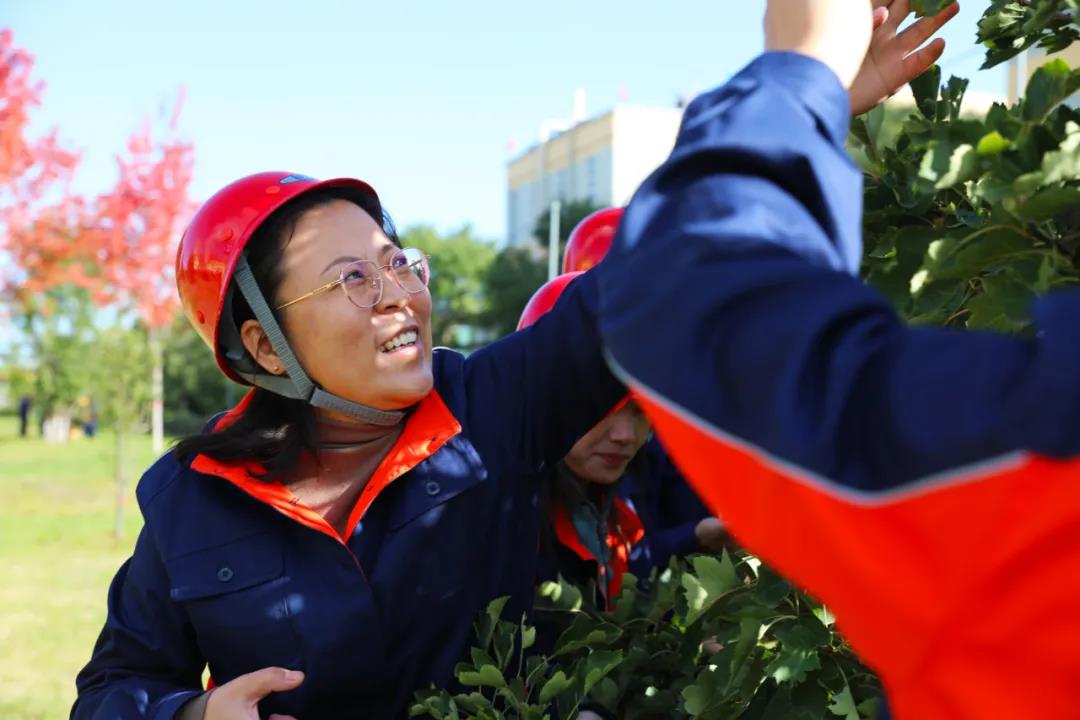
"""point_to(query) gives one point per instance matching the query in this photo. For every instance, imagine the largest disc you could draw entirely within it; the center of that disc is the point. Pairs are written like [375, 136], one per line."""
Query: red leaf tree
[38, 215]
[136, 229]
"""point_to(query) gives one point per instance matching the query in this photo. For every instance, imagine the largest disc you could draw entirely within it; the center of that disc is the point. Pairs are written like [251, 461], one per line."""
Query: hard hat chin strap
[296, 384]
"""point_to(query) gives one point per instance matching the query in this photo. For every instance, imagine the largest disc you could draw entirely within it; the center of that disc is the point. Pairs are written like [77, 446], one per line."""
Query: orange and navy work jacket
[600, 533]
[236, 573]
[602, 537]
[923, 483]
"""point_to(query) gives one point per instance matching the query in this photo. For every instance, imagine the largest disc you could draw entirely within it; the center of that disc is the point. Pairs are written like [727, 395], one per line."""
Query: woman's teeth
[405, 338]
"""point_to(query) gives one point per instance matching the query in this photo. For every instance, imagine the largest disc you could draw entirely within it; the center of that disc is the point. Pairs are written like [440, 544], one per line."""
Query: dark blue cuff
[167, 707]
[814, 85]
[683, 539]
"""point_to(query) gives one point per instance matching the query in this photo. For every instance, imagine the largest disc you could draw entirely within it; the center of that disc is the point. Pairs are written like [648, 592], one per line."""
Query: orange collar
[623, 532]
[426, 430]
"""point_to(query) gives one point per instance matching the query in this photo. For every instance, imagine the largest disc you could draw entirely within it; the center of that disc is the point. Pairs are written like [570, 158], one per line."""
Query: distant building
[1022, 67]
[602, 160]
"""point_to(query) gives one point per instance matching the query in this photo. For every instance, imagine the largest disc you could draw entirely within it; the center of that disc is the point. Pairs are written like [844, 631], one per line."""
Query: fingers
[922, 29]
[257, 685]
[898, 11]
[881, 15]
[919, 62]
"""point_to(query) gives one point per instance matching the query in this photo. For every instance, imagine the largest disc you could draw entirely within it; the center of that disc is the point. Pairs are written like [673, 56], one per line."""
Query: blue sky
[418, 97]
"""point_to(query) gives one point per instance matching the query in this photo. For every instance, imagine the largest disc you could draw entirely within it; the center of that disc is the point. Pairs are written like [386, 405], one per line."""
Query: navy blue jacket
[239, 582]
[668, 508]
[920, 482]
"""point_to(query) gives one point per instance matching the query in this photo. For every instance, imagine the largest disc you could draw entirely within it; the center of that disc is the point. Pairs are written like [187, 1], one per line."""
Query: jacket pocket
[229, 567]
[429, 487]
[240, 602]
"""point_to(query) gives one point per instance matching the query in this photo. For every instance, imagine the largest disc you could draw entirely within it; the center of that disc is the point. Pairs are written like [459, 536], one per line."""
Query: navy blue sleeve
[145, 663]
[533, 394]
[668, 508]
[749, 238]
[657, 548]
[676, 504]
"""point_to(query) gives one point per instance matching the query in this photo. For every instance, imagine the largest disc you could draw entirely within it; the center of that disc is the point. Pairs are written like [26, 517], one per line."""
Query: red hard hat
[590, 241]
[216, 238]
[544, 299]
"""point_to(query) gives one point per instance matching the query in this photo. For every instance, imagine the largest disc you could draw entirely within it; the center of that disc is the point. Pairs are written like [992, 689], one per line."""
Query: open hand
[895, 58]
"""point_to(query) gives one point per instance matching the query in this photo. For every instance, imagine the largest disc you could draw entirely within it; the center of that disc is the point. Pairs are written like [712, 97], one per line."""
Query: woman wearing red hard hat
[615, 503]
[325, 546]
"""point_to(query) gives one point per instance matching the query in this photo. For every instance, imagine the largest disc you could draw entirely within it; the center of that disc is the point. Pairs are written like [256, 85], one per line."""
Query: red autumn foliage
[137, 226]
[119, 245]
[37, 212]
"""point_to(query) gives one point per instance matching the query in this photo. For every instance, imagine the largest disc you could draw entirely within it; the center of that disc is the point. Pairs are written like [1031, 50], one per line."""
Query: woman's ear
[258, 345]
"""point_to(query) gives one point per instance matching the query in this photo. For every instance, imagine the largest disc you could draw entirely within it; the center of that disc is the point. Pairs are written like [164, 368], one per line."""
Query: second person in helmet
[615, 503]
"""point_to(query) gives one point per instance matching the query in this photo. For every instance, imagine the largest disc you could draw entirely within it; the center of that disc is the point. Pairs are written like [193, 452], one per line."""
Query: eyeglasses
[362, 280]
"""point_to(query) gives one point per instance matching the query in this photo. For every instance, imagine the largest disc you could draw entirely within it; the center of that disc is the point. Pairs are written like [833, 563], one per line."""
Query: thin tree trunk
[157, 393]
[121, 483]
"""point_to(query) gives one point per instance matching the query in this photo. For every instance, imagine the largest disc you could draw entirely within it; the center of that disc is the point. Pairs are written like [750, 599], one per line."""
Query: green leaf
[479, 657]
[585, 632]
[804, 633]
[749, 630]
[1049, 86]
[528, 637]
[925, 89]
[779, 707]
[953, 98]
[487, 622]
[503, 643]
[810, 699]
[514, 691]
[598, 665]
[486, 676]
[870, 708]
[556, 684]
[963, 258]
[908, 251]
[562, 594]
[1003, 305]
[923, 8]
[1047, 203]
[946, 164]
[771, 588]
[717, 577]
[702, 694]
[472, 703]
[992, 143]
[713, 578]
[1064, 163]
[791, 665]
[843, 704]
[606, 693]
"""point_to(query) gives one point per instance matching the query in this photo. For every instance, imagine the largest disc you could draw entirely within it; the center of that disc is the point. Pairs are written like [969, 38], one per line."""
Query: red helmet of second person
[544, 299]
[218, 234]
[591, 239]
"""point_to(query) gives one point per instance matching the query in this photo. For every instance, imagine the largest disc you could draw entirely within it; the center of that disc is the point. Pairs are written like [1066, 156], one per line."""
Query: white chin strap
[296, 384]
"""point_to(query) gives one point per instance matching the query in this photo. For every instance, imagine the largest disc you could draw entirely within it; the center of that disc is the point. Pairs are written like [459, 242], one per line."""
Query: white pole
[553, 240]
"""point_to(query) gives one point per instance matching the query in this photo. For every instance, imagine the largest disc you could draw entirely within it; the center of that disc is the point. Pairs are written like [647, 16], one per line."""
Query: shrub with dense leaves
[709, 638]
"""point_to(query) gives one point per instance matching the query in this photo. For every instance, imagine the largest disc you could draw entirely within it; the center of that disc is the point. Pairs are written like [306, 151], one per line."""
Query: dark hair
[273, 429]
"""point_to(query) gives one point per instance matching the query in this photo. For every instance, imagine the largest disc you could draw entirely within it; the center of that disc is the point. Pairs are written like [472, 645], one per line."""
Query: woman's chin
[406, 391]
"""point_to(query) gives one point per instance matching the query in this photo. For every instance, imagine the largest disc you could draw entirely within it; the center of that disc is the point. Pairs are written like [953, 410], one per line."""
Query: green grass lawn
[57, 556]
